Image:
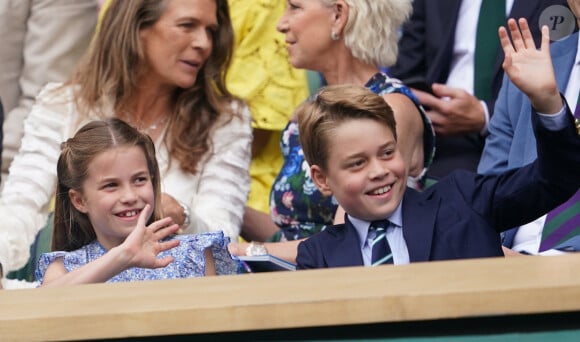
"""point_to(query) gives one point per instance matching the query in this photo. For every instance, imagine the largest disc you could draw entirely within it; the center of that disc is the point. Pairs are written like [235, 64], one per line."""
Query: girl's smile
[116, 190]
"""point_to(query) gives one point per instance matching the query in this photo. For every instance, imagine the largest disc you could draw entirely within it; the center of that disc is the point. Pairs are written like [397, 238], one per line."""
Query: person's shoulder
[328, 233]
[239, 106]
[71, 260]
[236, 122]
[238, 113]
[441, 186]
[564, 44]
[46, 259]
[451, 187]
[55, 92]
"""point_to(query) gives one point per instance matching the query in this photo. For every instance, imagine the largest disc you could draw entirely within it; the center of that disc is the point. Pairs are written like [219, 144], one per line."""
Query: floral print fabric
[189, 259]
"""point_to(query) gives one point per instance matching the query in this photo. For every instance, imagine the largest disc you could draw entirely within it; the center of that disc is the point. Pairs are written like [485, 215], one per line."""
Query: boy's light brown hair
[332, 106]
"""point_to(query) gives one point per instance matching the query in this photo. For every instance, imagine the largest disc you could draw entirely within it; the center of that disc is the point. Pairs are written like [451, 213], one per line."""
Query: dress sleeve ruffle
[71, 261]
[195, 258]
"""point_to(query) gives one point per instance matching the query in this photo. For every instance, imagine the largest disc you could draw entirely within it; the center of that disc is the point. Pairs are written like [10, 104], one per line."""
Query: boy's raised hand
[530, 69]
[144, 243]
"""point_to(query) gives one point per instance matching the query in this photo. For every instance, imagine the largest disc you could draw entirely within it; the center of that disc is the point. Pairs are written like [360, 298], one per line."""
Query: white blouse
[216, 195]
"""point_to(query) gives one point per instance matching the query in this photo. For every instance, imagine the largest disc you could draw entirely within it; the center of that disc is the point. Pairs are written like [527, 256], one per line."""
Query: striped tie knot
[381, 252]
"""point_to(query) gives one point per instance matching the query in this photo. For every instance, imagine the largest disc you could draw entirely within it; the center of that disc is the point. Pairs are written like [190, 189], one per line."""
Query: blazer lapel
[520, 9]
[346, 251]
[524, 8]
[419, 217]
[447, 11]
[564, 55]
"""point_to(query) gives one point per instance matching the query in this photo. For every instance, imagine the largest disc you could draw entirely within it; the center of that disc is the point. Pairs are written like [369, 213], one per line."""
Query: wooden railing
[302, 299]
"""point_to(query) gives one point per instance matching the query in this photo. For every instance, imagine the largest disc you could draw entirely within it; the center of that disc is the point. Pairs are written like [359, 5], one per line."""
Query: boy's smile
[365, 171]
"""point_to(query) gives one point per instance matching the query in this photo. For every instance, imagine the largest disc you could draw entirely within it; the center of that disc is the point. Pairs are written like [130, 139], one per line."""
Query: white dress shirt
[394, 237]
[462, 73]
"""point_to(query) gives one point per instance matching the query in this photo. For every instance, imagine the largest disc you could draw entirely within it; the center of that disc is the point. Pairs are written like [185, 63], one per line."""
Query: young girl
[107, 226]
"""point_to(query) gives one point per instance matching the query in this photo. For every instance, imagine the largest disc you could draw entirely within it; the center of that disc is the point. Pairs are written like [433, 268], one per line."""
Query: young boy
[349, 139]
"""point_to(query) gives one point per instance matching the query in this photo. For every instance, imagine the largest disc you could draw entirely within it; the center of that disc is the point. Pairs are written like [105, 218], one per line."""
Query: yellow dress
[261, 74]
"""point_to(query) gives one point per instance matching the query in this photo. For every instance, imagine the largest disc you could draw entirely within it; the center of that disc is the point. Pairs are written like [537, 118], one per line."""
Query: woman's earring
[334, 36]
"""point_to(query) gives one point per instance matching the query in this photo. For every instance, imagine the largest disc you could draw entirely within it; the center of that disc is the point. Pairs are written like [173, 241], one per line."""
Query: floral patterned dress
[189, 259]
[296, 205]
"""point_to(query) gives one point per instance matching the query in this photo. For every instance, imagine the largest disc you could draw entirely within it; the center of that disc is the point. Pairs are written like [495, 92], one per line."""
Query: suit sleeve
[494, 158]
[306, 256]
[519, 196]
[411, 57]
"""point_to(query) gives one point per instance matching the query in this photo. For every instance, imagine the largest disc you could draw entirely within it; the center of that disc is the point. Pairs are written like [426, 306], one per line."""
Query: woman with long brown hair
[160, 66]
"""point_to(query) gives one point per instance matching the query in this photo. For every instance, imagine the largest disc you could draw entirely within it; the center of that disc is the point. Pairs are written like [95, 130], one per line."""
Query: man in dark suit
[438, 46]
[511, 143]
[461, 215]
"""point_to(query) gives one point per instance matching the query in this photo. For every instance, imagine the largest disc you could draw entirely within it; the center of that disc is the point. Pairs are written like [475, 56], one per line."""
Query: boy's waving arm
[529, 68]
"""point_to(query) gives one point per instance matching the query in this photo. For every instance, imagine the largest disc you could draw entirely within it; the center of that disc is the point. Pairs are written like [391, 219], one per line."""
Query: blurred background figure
[444, 46]
[42, 40]
[347, 42]
[511, 143]
[262, 76]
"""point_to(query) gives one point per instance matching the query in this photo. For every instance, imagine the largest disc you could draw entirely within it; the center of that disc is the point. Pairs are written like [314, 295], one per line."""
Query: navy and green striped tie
[381, 252]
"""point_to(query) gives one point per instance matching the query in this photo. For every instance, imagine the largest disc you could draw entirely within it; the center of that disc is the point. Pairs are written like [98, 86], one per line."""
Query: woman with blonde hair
[159, 65]
[348, 42]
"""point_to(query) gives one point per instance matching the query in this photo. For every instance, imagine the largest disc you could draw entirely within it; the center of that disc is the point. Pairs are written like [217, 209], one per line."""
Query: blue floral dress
[189, 259]
[296, 205]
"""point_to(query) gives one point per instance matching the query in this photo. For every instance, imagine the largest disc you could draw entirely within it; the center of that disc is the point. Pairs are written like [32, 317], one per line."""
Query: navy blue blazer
[511, 142]
[426, 50]
[462, 215]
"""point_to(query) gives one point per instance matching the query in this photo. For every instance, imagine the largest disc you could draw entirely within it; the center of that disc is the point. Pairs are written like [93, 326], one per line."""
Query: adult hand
[171, 207]
[144, 243]
[238, 248]
[530, 69]
[452, 111]
[257, 225]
